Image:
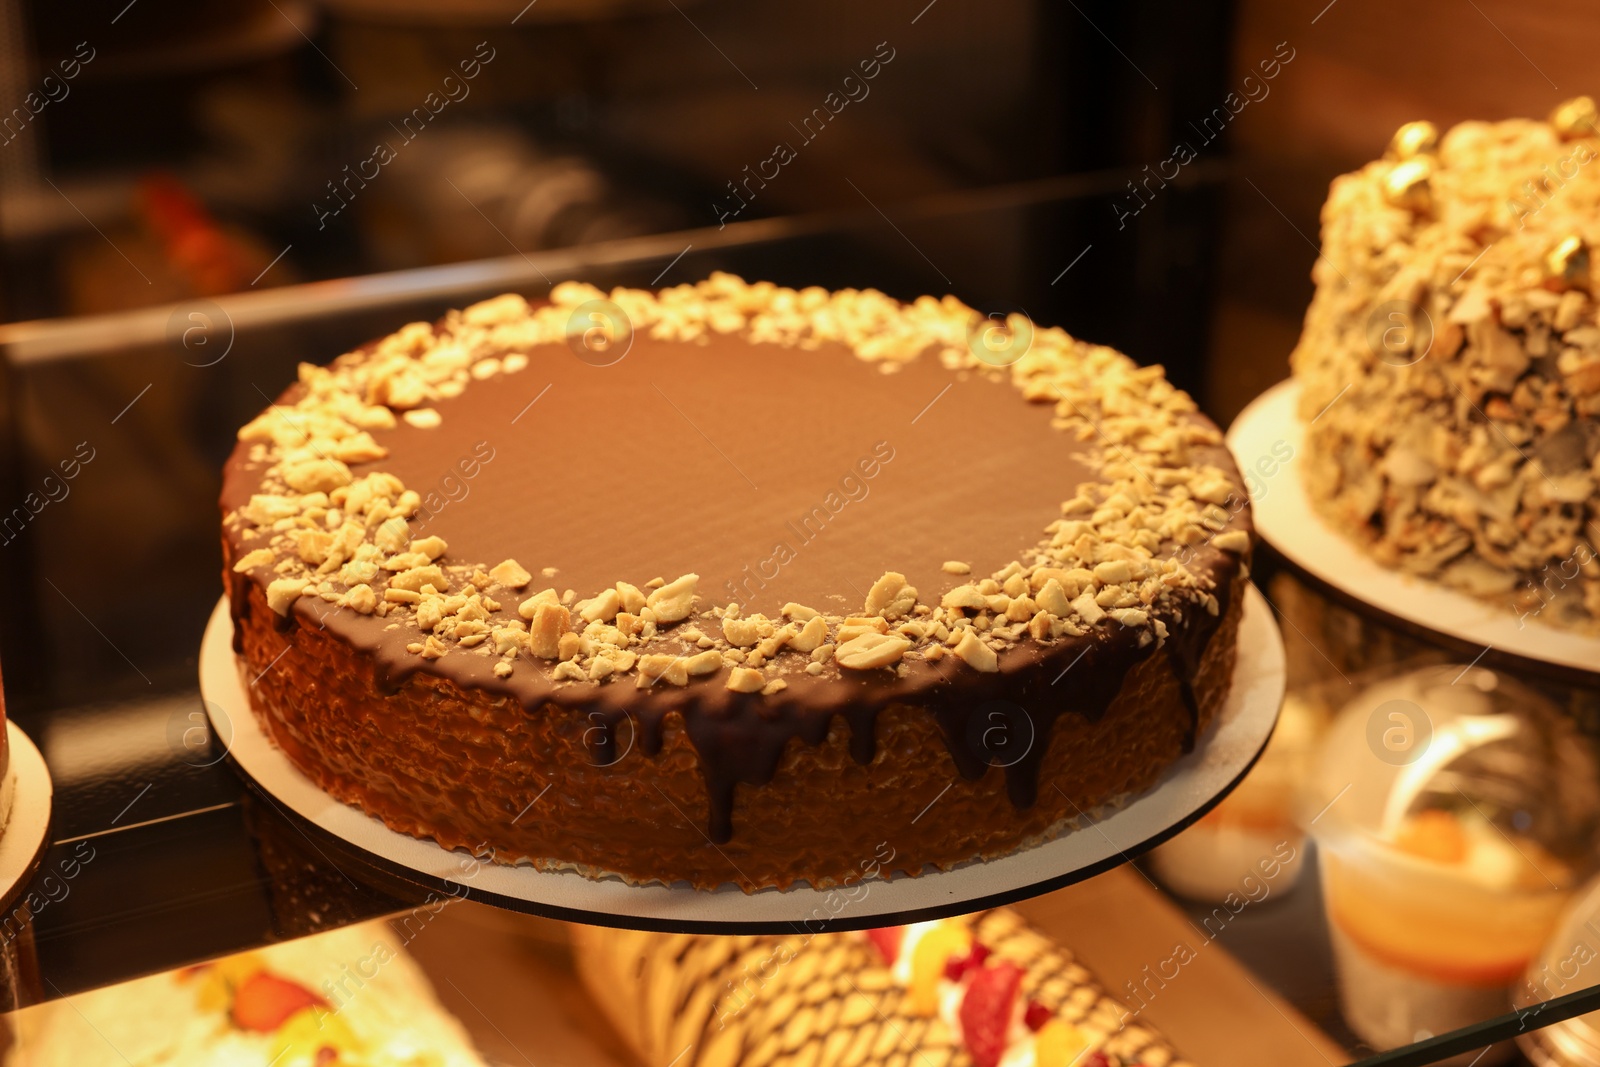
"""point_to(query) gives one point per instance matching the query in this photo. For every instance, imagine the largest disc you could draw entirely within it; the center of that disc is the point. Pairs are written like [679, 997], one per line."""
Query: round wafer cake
[733, 583]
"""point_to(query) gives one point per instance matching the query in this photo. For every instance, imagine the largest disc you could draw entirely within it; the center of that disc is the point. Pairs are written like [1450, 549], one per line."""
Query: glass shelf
[177, 862]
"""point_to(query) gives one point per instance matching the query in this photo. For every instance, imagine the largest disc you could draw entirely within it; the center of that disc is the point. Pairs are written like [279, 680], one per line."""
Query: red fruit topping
[1036, 1015]
[1097, 1059]
[326, 1055]
[888, 939]
[956, 967]
[263, 1001]
[986, 1011]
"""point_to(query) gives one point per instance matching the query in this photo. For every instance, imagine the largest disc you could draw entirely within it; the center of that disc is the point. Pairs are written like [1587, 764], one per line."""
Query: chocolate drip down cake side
[765, 586]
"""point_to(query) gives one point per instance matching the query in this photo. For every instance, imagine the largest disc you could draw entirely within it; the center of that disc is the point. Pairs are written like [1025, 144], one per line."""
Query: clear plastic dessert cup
[1454, 810]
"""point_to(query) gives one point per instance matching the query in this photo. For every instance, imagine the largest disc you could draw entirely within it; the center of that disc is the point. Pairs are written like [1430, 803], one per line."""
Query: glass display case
[1406, 875]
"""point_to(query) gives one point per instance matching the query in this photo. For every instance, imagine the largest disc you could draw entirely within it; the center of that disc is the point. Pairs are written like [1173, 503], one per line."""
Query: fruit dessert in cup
[1452, 820]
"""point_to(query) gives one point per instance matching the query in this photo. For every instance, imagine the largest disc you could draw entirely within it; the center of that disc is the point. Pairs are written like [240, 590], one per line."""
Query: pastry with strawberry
[983, 990]
[347, 998]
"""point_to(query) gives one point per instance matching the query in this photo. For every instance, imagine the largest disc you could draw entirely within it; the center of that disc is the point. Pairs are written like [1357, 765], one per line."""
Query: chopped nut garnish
[662, 668]
[548, 623]
[976, 654]
[529, 607]
[1053, 598]
[745, 680]
[633, 599]
[360, 598]
[811, 636]
[283, 592]
[965, 597]
[744, 633]
[673, 602]
[1089, 608]
[870, 650]
[350, 540]
[1113, 572]
[1452, 451]
[890, 597]
[417, 577]
[316, 475]
[510, 574]
[1232, 541]
[854, 627]
[260, 557]
[431, 547]
[603, 606]
[708, 662]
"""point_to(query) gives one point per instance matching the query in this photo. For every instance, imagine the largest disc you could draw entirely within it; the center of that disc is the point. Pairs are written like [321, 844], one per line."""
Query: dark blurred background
[196, 196]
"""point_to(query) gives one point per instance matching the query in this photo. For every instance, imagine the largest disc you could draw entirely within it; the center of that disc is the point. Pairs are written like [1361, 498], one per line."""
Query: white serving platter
[27, 824]
[1285, 518]
[1192, 786]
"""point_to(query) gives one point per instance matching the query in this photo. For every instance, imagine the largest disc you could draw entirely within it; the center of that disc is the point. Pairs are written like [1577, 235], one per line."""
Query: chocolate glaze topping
[776, 474]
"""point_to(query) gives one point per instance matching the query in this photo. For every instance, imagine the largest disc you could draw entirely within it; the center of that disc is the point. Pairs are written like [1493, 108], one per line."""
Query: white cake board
[1285, 518]
[1191, 787]
[27, 824]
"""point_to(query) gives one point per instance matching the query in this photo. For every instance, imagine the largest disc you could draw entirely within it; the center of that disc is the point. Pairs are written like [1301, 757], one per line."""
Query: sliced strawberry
[956, 969]
[1035, 1015]
[888, 939]
[263, 1001]
[986, 1011]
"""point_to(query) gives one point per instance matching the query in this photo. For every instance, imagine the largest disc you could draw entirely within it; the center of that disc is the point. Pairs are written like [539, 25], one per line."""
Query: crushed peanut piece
[871, 649]
[978, 655]
[745, 680]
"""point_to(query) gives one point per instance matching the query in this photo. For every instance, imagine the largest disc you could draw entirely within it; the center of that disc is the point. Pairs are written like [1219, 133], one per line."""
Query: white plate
[27, 824]
[1284, 517]
[1190, 788]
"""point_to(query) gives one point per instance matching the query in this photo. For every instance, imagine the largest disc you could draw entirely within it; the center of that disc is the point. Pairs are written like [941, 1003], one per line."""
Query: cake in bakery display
[352, 996]
[733, 583]
[976, 991]
[1450, 361]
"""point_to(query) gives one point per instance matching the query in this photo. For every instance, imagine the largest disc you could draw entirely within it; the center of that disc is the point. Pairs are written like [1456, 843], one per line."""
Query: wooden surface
[509, 979]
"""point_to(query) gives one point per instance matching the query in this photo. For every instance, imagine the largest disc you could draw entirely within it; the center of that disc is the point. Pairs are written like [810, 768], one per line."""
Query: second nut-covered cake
[1451, 361]
[733, 583]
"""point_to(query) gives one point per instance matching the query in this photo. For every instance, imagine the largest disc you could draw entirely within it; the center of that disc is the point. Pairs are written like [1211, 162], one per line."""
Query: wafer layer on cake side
[975, 991]
[1450, 361]
[733, 583]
